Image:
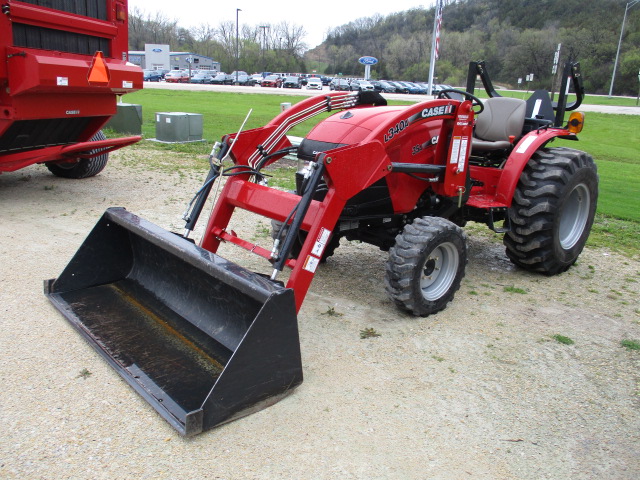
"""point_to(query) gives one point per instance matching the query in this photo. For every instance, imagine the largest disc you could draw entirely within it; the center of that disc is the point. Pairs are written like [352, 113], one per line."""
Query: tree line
[516, 38]
[271, 47]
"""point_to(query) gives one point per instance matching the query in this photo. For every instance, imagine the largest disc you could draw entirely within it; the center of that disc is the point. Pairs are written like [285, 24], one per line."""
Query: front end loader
[206, 341]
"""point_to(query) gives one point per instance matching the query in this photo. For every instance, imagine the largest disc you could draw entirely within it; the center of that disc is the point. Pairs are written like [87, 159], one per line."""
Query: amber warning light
[98, 73]
[121, 12]
[576, 122]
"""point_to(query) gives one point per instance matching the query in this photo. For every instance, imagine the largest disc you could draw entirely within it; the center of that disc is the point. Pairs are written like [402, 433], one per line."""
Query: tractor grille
[89, 8]
[31, 134]
[29, 36]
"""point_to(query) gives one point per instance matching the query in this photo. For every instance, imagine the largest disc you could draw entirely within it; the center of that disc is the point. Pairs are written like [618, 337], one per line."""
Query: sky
[316, 18]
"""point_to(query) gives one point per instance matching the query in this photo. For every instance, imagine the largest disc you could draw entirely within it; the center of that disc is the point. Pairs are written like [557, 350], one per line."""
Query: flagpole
[434, 43]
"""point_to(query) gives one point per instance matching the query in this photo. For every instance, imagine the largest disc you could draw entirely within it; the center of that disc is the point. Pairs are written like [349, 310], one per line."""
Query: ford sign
[368, 60]
[157, 50]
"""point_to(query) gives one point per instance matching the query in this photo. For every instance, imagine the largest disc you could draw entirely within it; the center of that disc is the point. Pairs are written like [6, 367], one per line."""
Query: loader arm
[320, 218]
[348, 171]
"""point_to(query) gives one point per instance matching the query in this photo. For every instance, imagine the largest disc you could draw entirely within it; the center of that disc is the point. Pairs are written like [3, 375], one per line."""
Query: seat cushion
[502, 117]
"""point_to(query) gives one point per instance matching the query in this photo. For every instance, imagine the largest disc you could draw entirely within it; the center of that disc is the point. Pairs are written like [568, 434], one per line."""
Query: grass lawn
[613, 141]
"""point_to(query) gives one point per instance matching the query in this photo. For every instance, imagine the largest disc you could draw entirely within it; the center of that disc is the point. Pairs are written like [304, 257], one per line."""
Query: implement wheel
[552, 210]
[83, 167]
[426, 265]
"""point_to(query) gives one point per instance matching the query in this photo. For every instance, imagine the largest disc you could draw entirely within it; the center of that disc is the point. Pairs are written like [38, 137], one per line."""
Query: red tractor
[403, 178]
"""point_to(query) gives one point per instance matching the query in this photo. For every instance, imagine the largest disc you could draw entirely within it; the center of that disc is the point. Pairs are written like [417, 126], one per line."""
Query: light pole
[264, 45]
[238, 42]
[615, 64]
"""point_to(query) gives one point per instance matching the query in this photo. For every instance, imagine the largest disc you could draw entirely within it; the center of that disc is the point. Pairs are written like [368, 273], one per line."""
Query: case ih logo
[436, 111]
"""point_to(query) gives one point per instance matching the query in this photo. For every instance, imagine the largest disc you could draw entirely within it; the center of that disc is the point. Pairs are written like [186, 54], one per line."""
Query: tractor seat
[501, 118]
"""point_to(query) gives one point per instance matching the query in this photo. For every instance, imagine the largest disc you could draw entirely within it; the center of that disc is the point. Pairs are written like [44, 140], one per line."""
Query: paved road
[286, 91]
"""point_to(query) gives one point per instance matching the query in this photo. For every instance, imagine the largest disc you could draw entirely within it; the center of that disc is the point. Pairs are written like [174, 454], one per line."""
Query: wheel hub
[574, 216]
[439, 271]
[429, 267]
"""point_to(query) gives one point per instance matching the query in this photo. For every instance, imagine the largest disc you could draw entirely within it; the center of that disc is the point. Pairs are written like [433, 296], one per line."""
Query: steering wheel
[475, 101]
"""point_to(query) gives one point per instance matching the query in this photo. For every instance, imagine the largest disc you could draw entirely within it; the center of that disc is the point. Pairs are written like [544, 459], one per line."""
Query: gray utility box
[176, 127]
[128, 119]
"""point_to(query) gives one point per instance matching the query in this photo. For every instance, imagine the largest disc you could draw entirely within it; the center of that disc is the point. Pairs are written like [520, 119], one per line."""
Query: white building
[158, 57]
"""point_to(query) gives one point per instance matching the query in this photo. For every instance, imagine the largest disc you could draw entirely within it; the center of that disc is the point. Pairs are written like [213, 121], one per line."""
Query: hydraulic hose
[191, 218]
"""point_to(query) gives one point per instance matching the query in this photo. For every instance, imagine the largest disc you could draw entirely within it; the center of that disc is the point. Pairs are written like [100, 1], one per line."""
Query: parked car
[242, 78]
[177, 76]
[202, 77]
[339, 84]
[292, 82]
[400, 88]
[257, 78]
[384, 87]
[361, 86]
[152, 76]
[314, 84]
[436, 88]
[271, 81]
[366, 86]
[222, 79]
[419, 88]
[325, 80]
[409, 87]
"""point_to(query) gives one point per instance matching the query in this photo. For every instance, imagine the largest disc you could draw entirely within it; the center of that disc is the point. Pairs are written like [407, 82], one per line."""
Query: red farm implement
[63, 71]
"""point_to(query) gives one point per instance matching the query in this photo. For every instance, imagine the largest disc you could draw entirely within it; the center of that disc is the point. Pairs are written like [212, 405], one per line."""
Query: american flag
[438, 24]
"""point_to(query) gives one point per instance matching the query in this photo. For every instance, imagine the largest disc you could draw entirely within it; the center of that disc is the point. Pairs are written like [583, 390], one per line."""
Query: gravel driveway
[481, 390]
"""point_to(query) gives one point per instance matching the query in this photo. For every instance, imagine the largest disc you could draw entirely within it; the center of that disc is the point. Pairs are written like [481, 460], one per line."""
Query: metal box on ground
[176, 127]
[128, 119]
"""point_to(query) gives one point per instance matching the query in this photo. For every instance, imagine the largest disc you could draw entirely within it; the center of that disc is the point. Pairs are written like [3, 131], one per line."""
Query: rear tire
[552, 210]
[426, 265]
[84, 167]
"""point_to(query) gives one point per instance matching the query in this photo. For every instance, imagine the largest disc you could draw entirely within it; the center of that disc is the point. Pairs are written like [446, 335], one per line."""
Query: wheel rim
[439, 271]
[575, 215]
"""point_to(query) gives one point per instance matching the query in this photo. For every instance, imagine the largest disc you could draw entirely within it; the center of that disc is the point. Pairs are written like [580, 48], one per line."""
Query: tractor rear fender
[519, 157]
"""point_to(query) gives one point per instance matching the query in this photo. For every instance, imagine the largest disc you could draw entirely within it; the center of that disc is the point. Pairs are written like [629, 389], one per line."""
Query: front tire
[426, 265]
[552, 211]
[83, 167]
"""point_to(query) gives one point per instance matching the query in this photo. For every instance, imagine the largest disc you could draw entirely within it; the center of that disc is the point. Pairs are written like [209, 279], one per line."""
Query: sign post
[367, 62]
[189, 61]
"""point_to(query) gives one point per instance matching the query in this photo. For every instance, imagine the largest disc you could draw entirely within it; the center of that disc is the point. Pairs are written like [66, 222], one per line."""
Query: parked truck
[64, 67]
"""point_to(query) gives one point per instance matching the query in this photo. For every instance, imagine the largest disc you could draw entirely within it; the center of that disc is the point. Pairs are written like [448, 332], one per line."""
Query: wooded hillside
[515, 37]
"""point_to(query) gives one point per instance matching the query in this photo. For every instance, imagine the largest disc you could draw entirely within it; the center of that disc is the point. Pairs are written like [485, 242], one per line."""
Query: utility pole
[615, 64]
[238, 43]
[264, 45]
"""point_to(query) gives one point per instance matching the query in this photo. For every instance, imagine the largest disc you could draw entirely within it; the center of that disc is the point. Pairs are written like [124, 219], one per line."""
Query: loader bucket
[202, 339]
